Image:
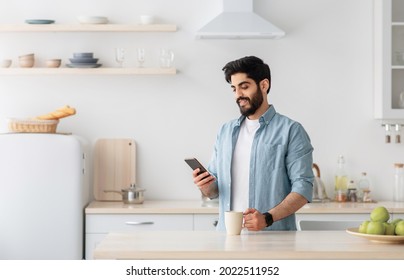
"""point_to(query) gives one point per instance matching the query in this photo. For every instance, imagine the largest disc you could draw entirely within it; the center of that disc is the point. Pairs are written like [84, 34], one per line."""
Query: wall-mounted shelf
[87, 71]
[88, 28]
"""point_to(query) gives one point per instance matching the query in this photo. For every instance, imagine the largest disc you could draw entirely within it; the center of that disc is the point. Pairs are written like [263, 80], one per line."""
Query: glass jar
[363, 184]
[398, 182]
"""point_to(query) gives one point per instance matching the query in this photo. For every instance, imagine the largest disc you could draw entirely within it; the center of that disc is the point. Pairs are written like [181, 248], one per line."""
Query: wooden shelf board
[87, 71]
[87, 28]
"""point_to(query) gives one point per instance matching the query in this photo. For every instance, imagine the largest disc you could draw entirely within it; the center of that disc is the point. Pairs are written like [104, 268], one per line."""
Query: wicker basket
[32, 125]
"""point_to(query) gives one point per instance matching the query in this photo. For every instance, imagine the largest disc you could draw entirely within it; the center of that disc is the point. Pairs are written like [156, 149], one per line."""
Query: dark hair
[254, 67]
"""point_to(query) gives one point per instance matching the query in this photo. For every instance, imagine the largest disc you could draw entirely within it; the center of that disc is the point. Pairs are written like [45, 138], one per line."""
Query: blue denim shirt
[281, 162]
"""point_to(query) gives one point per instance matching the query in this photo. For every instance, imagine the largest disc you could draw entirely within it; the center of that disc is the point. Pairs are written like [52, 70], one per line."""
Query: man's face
[248, 95]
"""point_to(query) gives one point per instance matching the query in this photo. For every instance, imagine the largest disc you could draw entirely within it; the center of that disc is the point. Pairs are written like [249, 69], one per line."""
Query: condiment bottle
[398, 135]
[387, 137]
[398, 182]
[363, 184]
[351, 194]
[341, 180]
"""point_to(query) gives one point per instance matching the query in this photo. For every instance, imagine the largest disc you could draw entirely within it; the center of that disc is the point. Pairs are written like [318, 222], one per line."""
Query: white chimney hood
[238, 21]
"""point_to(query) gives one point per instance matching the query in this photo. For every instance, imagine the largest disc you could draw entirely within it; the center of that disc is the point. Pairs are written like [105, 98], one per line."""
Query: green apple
[400, 228]
[389, 228]
[380, 214]
[375, 228]
[363, 227]
[395, 221]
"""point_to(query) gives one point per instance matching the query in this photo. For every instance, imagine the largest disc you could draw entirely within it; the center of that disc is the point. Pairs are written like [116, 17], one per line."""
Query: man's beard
[255, 103]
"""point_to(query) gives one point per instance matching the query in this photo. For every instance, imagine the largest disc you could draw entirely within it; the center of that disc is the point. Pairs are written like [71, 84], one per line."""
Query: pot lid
[133, 188]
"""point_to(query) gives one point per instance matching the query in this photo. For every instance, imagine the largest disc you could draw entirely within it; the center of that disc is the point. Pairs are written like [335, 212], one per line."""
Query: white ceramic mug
[146, 19]
[234, 222]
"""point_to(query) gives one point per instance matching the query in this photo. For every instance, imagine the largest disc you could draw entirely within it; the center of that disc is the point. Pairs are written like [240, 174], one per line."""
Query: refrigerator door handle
[138, 223]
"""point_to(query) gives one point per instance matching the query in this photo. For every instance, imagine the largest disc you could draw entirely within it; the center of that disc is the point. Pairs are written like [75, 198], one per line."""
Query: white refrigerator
[44, 189]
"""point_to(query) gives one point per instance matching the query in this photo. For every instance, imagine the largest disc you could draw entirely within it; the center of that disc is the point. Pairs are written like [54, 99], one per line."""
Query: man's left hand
[254, 220]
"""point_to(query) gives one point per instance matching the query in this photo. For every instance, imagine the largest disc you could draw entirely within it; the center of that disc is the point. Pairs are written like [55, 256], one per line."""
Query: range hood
[238, 21]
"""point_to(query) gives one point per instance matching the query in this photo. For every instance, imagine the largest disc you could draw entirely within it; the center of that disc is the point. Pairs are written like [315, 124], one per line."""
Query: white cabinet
[341, 221]
[205, 221]
[99, 225]
[389, 59]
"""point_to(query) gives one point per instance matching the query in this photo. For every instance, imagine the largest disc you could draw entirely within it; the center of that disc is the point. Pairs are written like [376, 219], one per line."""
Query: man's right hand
[203, 181]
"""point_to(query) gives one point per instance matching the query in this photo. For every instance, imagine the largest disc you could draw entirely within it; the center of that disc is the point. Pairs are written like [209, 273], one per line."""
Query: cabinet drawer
[329, 221]
[205, 221]
[105, 223]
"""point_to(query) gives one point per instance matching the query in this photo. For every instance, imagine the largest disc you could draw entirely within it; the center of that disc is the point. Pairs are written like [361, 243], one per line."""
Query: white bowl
[27, 56]
[26, 63]
[53, 63]
[92, 19]
[5, 63]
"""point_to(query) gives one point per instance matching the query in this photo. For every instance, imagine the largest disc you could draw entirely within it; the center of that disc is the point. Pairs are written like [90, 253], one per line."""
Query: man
[262, 161]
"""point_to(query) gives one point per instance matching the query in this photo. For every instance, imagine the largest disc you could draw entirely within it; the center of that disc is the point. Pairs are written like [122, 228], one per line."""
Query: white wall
[321, 76]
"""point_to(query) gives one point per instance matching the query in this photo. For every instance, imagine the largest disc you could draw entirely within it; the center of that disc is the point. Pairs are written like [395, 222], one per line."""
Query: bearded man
[262, 161]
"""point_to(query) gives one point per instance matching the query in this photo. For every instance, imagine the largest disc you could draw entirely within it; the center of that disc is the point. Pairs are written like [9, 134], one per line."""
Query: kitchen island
[103, 218]
[279, 245]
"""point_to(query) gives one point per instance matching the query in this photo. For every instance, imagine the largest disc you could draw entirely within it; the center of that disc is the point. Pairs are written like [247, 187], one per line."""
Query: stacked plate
[83, 60]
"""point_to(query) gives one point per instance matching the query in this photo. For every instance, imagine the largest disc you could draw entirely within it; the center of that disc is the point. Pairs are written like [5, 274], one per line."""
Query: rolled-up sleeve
[299, 162]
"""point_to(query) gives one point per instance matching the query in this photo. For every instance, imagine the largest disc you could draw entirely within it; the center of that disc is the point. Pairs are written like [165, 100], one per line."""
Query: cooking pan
[132, 195]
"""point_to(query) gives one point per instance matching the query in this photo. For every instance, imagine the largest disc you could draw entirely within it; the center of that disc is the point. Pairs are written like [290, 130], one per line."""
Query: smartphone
[194, 164]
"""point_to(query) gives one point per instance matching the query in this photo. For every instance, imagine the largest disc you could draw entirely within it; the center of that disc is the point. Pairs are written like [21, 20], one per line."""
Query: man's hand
[204, 182]
[254, 220]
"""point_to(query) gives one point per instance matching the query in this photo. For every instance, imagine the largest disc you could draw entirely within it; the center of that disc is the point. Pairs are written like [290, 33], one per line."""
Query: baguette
[63, 112]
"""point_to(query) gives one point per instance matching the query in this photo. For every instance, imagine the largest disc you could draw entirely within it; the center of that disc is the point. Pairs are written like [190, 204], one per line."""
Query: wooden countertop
[278, 245]
[195, 207]
[151, 207]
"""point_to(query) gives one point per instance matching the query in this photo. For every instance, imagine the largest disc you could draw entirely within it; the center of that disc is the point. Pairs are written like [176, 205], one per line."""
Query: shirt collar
[264, 119]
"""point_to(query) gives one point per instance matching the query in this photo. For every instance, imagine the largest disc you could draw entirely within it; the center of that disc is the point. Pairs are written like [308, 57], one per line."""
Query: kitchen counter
[350, 207]
[151, 207]
[195, 207]
[249, 245]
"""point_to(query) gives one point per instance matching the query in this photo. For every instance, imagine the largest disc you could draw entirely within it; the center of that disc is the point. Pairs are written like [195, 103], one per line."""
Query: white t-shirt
[241, 165]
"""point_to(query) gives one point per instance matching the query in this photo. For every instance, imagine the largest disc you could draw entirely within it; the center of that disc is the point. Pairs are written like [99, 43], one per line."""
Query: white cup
[234, 222]
[146, 19]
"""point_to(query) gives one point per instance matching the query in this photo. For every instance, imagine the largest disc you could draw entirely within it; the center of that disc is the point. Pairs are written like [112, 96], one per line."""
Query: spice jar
[352, 197]
[366, 196]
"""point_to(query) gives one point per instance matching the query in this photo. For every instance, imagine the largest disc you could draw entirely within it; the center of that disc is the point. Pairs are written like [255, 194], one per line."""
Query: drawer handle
[139, 223]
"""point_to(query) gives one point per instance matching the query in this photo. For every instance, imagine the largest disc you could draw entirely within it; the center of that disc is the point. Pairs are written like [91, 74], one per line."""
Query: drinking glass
[140, 56]
[120, 56]
[166, 58]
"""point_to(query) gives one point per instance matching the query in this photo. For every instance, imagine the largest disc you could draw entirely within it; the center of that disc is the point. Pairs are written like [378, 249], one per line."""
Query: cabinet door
[329, 221]
[389, 59]
[104, 223]
[99, 225]
[205, 221]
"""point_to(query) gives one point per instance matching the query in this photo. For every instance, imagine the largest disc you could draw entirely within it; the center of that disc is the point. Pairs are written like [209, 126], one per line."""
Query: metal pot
[132, 195]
